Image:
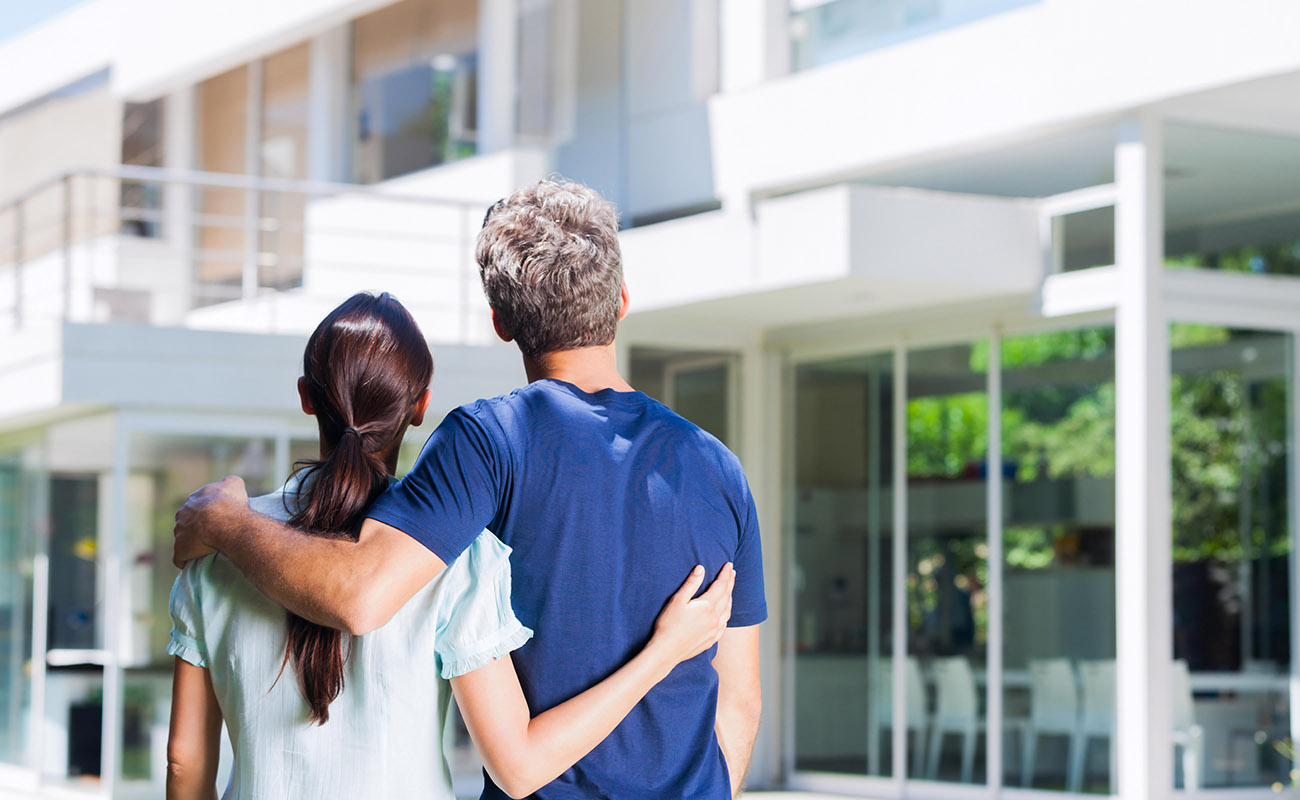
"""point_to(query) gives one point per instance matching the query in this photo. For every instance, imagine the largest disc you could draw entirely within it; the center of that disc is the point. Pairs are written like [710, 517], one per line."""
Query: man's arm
[353, 586]
[740, 699]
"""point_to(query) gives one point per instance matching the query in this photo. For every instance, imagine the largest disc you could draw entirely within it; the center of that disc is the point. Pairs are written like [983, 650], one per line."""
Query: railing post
[19, 224]
[466, 258]
[67, 247]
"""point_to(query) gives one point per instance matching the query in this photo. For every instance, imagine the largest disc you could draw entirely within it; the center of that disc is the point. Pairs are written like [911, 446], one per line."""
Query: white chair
[1096, 718]
[1053, 709]
[915, 698]
[1187, 734]
[956, 711]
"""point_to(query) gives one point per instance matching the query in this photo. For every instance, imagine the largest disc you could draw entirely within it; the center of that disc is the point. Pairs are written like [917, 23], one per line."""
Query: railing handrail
[227, 180]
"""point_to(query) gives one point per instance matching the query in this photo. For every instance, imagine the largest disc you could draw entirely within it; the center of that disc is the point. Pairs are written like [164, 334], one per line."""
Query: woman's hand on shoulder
[689, 625]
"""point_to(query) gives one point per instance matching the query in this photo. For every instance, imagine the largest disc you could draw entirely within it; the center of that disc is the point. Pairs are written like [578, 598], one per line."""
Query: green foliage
[1228, 436]
[1277, 258]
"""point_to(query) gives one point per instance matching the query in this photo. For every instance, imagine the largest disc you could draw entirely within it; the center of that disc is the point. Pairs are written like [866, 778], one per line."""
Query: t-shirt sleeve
[475, 622]
[452, 492]
[187, 622]
[748, 600]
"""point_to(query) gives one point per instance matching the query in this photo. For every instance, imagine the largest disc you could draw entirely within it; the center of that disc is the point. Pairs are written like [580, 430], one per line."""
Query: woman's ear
[421, 406]
[307, 407]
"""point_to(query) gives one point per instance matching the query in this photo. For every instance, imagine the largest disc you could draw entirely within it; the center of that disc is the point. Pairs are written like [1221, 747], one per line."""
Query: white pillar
[993, 703]
[760, 448]
[754, 42]
[498, 54]
[1143, 549]
[754, 46]
[329, 127]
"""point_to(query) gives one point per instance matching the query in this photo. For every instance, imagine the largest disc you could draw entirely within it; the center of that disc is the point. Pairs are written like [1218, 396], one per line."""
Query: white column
[1143, 558]
[993, 718]
[901, 742]
[754, 46]
[498, 54]
[329, 125]
[760, 448]
[754, 42]
[116, 607]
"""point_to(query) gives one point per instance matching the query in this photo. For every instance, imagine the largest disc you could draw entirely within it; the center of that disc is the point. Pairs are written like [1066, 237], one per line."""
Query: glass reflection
[947, 551]
[1058, 444]
[1229, 402]
[842, 550]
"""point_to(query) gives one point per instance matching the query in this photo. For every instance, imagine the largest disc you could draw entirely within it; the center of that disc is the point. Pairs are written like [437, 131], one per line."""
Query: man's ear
[307, 407]
[502, 333]
[623, 302]
[421, 407]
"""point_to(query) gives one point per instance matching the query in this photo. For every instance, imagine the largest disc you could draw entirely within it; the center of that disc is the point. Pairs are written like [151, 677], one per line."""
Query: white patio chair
[1053, 709]
[1187, 734]
[1096, 718]
[956, 712]
[916, 705]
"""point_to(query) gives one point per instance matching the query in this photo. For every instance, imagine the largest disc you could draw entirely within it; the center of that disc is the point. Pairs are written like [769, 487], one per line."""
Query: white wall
[1004, 77]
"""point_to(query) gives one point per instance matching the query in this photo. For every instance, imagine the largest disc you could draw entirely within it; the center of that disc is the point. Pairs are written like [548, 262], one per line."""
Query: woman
[312, 713]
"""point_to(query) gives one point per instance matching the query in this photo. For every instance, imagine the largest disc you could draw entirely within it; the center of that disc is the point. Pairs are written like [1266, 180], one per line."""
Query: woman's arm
[522, 754]
[193, 745]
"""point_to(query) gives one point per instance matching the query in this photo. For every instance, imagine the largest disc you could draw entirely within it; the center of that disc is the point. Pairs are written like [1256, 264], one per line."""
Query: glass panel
[1058, 430]
[947, 567]
[283, 154]
[843, 662]
[1229, 411]
[222, 124]
[1230, 200]
[414, 82]
[18, 532]
[74, 560]
[825, 31]
[703, 395]
[142, 145]
[164, 469]
[1087, 239]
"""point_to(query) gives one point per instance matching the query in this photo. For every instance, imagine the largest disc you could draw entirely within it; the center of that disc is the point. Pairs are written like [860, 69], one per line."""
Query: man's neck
[589, 368]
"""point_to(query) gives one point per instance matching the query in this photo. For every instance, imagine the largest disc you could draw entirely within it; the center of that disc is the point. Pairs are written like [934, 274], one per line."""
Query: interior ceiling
[1230, 154]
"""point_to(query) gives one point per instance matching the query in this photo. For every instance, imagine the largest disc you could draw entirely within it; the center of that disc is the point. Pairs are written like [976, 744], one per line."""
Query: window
[414, 84]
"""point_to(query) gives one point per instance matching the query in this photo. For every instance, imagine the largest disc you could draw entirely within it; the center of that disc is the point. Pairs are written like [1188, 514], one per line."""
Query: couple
[598, 499]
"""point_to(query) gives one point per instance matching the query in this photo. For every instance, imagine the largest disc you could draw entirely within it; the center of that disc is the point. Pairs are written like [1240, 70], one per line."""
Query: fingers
[722, 585]
[690, 586]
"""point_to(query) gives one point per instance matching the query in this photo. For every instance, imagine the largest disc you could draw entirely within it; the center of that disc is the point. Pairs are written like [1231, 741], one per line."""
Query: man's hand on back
[205, 516]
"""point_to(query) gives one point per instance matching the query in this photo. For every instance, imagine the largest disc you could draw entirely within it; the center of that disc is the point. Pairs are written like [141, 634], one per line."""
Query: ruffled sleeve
[475, 621]
[187, 622]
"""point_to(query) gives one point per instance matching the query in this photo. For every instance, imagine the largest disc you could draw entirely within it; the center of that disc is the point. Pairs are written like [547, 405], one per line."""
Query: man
[606, 497]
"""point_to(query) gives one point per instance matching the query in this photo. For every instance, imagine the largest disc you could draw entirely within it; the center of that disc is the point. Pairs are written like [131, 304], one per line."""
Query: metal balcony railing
[202, 249]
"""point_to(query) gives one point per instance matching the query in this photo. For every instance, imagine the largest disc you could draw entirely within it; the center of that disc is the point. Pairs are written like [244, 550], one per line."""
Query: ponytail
[365, 366]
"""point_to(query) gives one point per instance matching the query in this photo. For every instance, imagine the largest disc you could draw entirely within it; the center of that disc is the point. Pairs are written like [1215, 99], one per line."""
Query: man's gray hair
[551, 268]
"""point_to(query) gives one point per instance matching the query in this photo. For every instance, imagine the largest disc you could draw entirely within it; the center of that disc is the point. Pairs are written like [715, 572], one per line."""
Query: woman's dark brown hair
[365, 367]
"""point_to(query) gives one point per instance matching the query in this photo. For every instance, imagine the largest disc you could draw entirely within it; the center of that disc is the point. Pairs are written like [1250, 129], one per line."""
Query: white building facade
[995, 299]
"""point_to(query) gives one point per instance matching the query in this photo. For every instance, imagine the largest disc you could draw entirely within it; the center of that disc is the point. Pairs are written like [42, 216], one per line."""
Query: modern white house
[996, 300]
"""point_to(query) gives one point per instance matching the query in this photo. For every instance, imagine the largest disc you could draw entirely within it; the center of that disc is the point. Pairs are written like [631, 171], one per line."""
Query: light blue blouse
[384, 735]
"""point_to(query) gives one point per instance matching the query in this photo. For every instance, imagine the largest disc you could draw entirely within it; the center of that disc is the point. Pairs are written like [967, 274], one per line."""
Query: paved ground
[751, 795]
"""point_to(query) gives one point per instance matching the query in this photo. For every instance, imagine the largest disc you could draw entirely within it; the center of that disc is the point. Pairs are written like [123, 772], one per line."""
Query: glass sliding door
[842, 548]
[947, 552]
[18, 532]
[1058, 465]
[163, 470]
[1230, 396]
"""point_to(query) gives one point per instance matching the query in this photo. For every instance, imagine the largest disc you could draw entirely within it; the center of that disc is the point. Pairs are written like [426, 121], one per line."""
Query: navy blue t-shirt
[608, 500]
